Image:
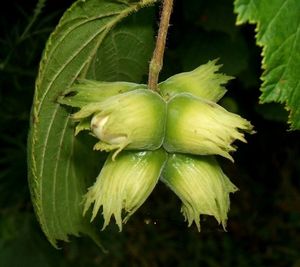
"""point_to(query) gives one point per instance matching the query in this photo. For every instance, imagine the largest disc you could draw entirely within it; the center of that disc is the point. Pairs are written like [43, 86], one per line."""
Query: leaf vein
[274, 18]
[60, 144]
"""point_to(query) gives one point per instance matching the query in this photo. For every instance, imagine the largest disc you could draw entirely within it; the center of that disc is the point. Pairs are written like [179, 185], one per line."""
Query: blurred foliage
[264, 221]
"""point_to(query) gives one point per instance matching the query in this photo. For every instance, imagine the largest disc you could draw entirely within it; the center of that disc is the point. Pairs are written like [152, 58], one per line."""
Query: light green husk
[202, 82]
[124, 184]
[134, 120]
[201, 185]
[201, 127]
[88, 91]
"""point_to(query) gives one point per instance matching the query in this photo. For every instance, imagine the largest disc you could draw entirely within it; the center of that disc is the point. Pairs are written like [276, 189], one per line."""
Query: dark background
[264, 220]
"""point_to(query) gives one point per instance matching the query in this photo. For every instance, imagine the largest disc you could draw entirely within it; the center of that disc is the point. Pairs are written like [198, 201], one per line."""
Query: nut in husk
[201, 185]
[124, 184]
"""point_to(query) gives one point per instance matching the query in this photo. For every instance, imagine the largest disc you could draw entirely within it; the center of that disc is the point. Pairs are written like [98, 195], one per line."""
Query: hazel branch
[158, 54]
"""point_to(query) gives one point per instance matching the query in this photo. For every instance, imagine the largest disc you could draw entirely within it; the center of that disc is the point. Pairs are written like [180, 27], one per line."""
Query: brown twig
[158, 54]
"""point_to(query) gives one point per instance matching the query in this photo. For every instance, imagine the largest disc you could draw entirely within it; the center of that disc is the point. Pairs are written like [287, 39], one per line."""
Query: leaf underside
[89, 43]
[278, 32]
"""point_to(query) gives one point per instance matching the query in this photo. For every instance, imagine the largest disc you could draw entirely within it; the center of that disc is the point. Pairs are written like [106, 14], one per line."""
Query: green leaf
[89, 43]
[278, 32]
